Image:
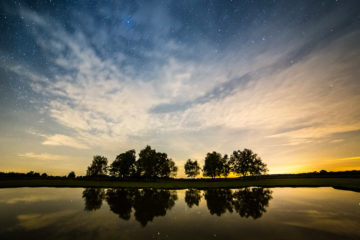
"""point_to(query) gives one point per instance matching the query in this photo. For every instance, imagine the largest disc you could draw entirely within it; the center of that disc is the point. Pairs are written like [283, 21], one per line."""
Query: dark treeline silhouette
[146, 203]
[153, 164]
[242, 163]
[150, 164]
[34, 175]
[320, 174]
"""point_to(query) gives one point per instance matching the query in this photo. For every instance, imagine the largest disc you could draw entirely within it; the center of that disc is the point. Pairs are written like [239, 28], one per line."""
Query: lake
[247, 213]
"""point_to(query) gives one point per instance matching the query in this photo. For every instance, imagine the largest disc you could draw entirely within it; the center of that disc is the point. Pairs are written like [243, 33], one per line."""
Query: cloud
[289, 89]
[43, 156]
[62, 140]
[351, 158]
[37, 221]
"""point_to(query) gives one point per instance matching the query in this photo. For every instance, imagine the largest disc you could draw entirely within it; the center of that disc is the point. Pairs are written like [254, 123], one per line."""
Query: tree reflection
[192, 197]
[147, 203]
[93, 198]
[121, 201]
[218, 201]
[251, 202]
[150, 203]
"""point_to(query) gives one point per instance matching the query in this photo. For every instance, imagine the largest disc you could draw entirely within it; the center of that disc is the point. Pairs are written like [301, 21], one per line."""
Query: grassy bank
[343, 183]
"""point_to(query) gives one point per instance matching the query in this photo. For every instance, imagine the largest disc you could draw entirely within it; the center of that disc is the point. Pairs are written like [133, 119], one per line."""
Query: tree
[124, 164]
[192, 168]
[247, 162]
[216, 165]
[98, 166]
[226, 168]
[71, 174]
[155, 164]
[33, 174]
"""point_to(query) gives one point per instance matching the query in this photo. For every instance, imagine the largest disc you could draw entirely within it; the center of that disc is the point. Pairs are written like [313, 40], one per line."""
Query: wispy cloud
[43, 156]
[351, 158]
[287, 89]
[62, 140]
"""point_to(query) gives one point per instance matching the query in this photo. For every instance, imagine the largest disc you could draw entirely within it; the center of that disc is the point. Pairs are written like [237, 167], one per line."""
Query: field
[342, 183]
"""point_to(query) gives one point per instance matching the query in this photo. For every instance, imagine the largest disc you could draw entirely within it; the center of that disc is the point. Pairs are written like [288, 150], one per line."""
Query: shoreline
[349, 183]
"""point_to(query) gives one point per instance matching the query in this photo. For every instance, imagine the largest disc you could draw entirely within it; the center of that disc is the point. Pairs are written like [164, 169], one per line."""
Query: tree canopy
[71, 174]
[155, 164]
[150, 164]
[216, 165]
[247, 162]
[124, 164]
[98, 166]
[192, 168]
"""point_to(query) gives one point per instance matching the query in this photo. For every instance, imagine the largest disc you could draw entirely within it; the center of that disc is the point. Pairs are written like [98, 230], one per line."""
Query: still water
[247, 213]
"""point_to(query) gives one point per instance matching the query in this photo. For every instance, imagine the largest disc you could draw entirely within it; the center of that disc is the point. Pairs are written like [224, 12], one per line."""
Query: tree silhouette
[216, 165]
[192, 197]
[155, 164]
[33, 174]
[192, 168]
[251, 202]
[98, 166]
[218, 201]
[71, 174]
[226, 168]
[247, 162]
[124, 164]
[93, 198]
[121, 201]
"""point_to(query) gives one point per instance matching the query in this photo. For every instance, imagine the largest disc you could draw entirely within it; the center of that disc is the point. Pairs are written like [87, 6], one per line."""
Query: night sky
[80, 78]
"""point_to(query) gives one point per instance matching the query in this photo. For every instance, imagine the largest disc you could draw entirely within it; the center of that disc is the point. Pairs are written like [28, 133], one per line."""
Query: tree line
[241, 162]
[149, 164]
[153, 164]
[71, 175]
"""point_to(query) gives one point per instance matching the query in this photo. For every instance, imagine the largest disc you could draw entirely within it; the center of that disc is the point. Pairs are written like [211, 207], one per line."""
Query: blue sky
[79, 78]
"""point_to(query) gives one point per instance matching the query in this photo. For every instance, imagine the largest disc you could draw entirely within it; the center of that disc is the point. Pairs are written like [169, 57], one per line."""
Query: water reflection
[218, 201]
[248, 202]
[150, 203]
[93, 198]
[297, 213]
[121, 201]
[147, 203]
[192, 197]
[251, 202]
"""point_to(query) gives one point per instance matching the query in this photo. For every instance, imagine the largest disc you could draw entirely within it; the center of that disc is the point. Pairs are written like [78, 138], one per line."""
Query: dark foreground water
[247, 213]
